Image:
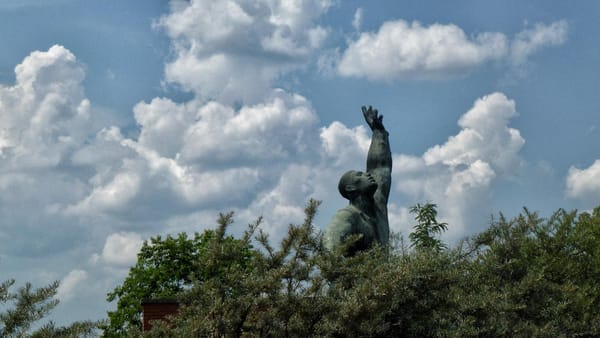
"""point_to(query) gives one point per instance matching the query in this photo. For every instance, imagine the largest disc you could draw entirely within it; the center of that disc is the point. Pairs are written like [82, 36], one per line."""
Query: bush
[522, 277]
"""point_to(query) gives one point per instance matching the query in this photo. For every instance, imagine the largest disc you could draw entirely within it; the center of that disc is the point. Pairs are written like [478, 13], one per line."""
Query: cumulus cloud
[458, 174]
[584, 183]
[215, 42]
[230, 146]
[340, 143]
[277, 128]
[192, 155]
[114, 195]
[120, 249]
[403, 50]
[161, 122]
[205, 153]
[45, 115]
[102, 151]
[408, 50]
[284, 202]
[68, 284]
[45, 118]
[400, 219]
[484, 135]
[531, 40]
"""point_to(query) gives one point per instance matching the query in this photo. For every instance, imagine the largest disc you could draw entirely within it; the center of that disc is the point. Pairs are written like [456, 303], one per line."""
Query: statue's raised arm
[379, 158]
[367, 193]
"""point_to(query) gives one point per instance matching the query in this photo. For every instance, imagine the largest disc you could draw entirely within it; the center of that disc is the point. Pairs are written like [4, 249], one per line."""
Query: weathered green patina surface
[368, 192]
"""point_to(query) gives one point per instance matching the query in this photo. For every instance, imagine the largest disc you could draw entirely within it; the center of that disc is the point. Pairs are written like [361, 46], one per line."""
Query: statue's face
[364, 182]
[356, 183]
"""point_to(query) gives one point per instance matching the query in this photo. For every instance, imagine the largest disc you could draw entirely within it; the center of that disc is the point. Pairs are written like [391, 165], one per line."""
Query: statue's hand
[374, 120]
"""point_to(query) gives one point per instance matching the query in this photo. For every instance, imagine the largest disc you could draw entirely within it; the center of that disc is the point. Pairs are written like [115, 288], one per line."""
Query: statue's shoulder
[347, 212]
[344, 217]
[346, 222]
[341, 226]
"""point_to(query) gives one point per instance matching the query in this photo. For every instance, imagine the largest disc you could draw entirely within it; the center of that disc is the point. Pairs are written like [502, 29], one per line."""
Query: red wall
[155, 309]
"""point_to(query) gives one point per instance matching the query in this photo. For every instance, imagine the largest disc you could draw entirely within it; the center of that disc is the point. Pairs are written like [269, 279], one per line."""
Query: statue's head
[355, 183]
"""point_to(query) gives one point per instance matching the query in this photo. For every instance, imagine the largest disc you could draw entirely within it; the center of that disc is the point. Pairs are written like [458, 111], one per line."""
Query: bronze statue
[368, 192]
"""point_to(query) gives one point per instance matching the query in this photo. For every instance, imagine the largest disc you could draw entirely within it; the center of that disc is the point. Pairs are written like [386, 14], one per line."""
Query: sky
[122, 120]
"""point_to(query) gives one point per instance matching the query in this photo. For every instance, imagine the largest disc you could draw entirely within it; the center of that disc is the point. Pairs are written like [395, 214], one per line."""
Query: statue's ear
[350, 189]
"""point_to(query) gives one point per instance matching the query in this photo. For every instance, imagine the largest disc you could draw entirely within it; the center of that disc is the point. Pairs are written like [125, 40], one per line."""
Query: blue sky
[121, 120]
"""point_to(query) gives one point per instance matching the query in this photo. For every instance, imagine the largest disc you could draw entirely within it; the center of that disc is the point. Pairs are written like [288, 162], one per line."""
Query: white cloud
[401, 220]
[215, 42]
[121, 248]
[278, 128]
[531, 40]
[357, 20]
[45, 118]
[341, 143]
[477, 174]
[194, 155]
[458, 174]
[45, 115]
[114, 195]
[284, 203]
[151, 187]
[103, 151]
[204, 153]
[485, 135]
[68, 284]
[410, 50]
[161, 124]
[401, 50]
[584, 183]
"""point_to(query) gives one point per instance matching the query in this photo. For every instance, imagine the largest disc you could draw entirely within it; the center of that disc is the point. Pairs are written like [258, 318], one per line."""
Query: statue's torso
[352, 221]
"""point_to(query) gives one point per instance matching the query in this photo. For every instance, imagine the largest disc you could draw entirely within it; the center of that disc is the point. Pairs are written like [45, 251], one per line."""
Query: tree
[165, 267]
[272, 293]
[29, 305]
[531, 276]
[523, 277]
[427, 227]
[300, 289]
[76, 329]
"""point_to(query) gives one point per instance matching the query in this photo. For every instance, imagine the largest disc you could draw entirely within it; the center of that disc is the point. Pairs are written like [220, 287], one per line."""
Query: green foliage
[165, 267]
[534, 277]
[269, 295]
[29, 306]
[75, 330]
[525, 277]
[300, 290]
[427, 227]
